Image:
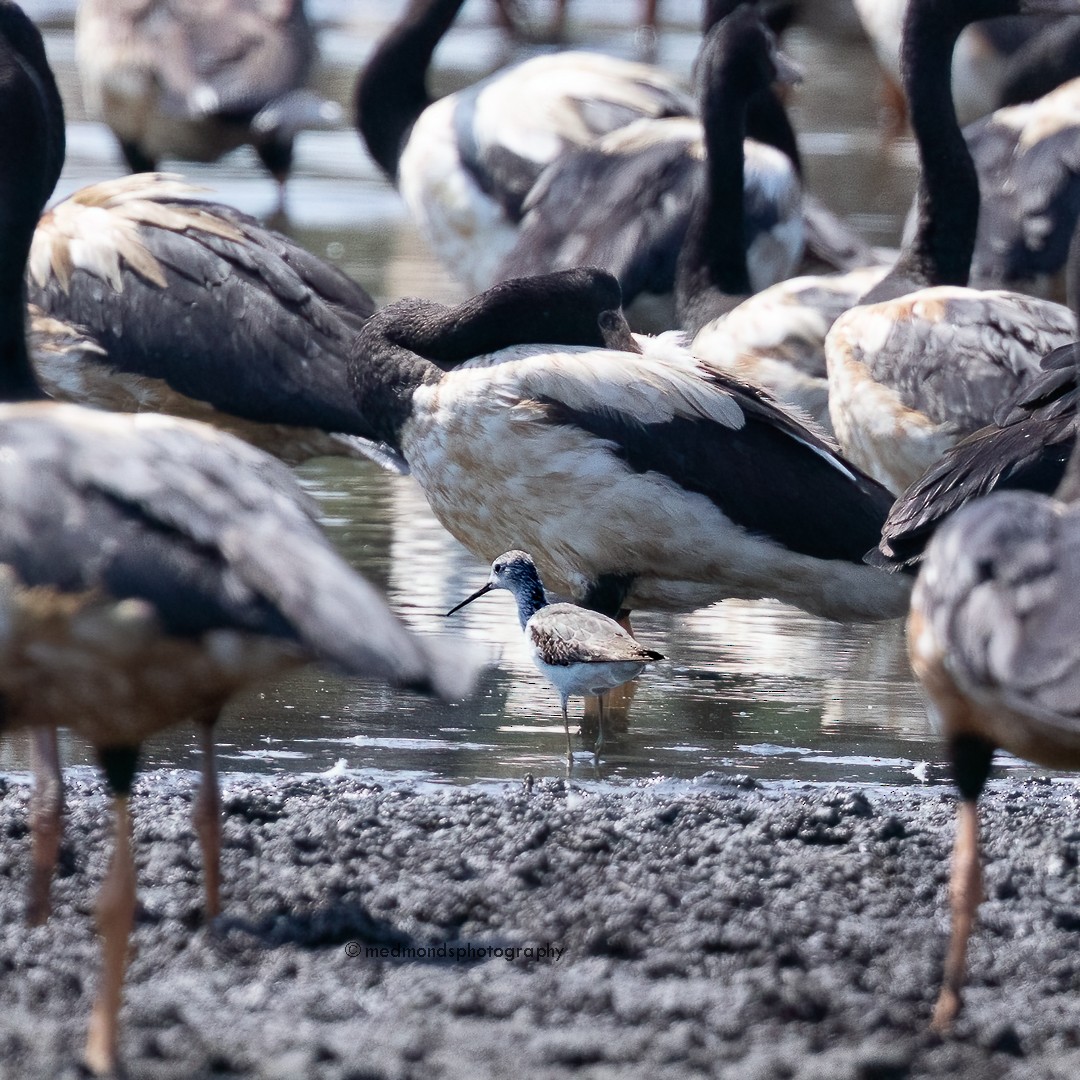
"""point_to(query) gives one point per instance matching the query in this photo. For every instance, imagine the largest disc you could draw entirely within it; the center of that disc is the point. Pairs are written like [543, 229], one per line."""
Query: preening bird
[268, 330]
[577, 650]
[465, 162]
[149, 567]
[177, 79]
[634, 480]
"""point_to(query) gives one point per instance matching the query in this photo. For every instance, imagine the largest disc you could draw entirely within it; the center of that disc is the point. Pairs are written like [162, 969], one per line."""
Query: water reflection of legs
[599, 744]
[206, 814]
[569, 744]
[616, 714]
[611, 711]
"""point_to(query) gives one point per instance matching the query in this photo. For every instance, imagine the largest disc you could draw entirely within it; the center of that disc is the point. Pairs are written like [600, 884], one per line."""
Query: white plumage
[654, 481]
[464, 163]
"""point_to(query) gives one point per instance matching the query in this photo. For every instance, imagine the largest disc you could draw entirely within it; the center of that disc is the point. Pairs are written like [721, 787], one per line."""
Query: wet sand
[728, 930]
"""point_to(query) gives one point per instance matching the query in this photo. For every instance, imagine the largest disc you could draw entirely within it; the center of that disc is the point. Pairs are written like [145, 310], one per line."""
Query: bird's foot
[945, 1011]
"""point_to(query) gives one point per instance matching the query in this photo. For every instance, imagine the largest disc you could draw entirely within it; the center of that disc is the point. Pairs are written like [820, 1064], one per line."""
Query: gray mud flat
[736, 932]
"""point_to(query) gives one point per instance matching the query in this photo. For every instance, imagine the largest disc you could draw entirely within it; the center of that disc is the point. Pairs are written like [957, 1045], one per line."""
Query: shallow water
[754, 688]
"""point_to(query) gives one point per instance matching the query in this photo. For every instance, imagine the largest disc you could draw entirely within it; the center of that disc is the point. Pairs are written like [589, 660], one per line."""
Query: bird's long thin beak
[486, 587]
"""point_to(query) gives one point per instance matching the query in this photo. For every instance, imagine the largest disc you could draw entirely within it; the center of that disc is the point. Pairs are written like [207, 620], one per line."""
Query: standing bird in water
[194, 80]
[264, 354]
[149, 567]
[578, 651]
[464, 163]
[635, 480]
[146, 297]
[924, 360]
[994, 637]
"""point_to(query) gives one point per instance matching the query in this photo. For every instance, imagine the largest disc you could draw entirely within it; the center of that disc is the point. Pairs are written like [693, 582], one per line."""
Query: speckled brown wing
[566, 634]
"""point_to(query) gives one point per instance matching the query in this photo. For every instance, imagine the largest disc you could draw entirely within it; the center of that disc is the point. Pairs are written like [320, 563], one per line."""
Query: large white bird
[464, 163]
[634, 481]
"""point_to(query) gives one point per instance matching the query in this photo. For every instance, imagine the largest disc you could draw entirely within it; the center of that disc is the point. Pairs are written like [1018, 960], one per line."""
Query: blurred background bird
[193, 80]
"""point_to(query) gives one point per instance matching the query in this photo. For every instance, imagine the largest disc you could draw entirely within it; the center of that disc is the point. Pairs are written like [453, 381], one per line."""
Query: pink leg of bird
[207, 817]
[965, 895]
[116, 916]
[46, 822]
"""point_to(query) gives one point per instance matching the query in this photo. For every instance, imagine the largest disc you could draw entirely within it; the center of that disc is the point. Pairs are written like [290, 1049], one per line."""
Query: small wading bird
[578, 651]
[149, 567]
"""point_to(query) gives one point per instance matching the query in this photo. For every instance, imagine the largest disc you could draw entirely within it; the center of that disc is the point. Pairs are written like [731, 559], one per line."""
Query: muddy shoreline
[729, 930]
